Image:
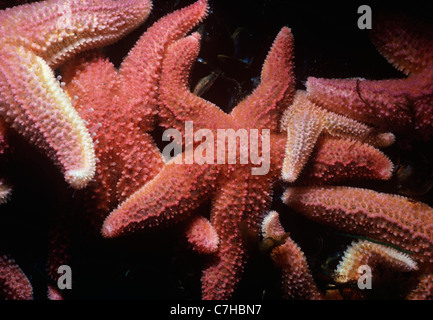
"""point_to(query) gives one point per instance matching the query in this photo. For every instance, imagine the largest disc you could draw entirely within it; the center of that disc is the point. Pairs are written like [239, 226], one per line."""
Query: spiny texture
[271, 226]
[118, 108]
[238, 197]
[297, 282]
[305, 122]
[37, 37]
[402, 105]
[202, 235]
[14, 285]
[141, 69]
[336, 159]
[424, 289]
[371, 254]
[391, 219]
[125, 153]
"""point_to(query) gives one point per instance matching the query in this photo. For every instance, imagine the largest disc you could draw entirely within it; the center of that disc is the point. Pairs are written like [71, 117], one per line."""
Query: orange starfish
[35, 39]
[401, 105]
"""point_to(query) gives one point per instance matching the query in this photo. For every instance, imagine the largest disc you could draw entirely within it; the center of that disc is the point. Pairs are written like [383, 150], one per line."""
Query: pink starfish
[400, 105]
[36, 38]
[119, 107]
[238, 197]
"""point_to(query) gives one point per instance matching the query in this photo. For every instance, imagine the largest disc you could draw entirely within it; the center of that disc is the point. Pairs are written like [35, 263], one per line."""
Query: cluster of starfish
[96, 126]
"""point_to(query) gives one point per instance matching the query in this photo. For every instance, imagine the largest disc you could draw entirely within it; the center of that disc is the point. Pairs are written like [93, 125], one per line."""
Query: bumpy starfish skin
[95, 84]
[391, 219]
[424, 289]
[14, 285]
[31, 100]
[118, 108]
[401, 105]
[389, 32]
[305, 122]
[371, 254]
[202, 235]
[237, 195]
[146, 58]
[115, 104]
[335, 159]
[297, 282]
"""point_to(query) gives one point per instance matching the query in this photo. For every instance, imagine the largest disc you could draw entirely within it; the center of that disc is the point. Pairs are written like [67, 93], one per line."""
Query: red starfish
[14, 285]
[297, 282]
[36, 38]
[238, 197]
[400, 105]
[119, 107]
[390, 219]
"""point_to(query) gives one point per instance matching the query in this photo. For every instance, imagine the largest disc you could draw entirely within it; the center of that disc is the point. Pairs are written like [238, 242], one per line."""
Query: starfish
[401, 105]
[297, 281]
[238, 197]
[372, 254]
[424, 289]
[304, 122]
[119, 108]
[14, 284]
[35, 39]
[335, 160]
[390, 219]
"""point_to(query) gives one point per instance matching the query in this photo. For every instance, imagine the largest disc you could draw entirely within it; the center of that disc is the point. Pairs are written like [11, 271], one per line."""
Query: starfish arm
[423, 102]
[271, 226]
[237, 209]
[99, 107]
[263, 108]
[171, 195]
[336, 159]
[53, 293]
[297, 281]
[393, 36]
[424, 289]
[55, 29]
[302, 134]
[372, 254]
[33, 102]
[141, 159]
[391, 219]
[305, 122]
[370, 101]
[14, 285]
[179, 104]
[202, 235]
[141, 69]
